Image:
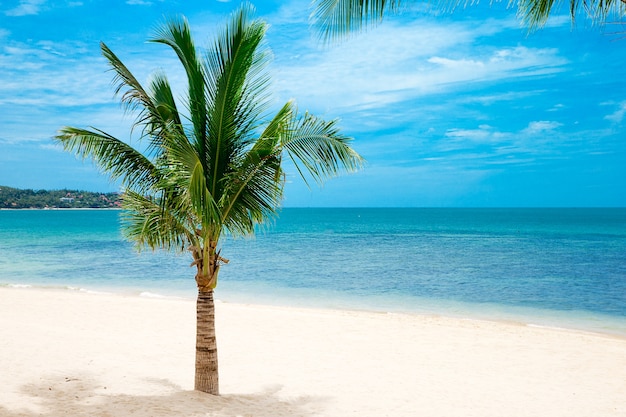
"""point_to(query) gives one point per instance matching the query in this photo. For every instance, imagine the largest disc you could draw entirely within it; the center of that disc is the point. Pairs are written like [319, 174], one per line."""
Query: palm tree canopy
[336, 18]
[213, 165]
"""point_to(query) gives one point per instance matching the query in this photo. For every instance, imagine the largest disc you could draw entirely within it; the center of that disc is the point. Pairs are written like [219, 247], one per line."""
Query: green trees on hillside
[15, 198]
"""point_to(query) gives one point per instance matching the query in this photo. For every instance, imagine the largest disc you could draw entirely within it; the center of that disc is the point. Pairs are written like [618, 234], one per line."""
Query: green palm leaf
[535, 13]
[318, 149]
[255, 184]
[336, 18]
[177, 35]
[134, 96]
[150, 221]
[237, 89]
[111, 155]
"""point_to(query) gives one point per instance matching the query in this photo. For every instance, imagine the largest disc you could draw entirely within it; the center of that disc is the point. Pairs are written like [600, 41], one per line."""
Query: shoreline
[82, 354]
[553, 322]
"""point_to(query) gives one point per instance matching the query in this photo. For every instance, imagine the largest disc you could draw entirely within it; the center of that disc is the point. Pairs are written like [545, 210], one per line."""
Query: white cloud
[26, 7]
[500, 64]
[40, 74]
[462, 64]
[67, 83]
[541, 127]
[497, 147]
[399, 62]
[618, 115]
[51, 147]
[557, 107]
[509, 96]
[484, 133]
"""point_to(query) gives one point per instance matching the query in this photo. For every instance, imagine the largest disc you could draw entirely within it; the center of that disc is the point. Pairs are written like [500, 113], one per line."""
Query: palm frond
[135, 97]
[154, 222]
[280, 123]
[237, 91]
[336, 18]
[535, 13]
[318, 149]
[599, 11]
[203, 202]
[111, 155]
[177, 35]
[163, 100]
[254, 187]
[258, 193]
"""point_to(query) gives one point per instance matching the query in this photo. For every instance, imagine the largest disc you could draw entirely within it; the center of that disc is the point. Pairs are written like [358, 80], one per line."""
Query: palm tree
[214, 169]
[336, 18]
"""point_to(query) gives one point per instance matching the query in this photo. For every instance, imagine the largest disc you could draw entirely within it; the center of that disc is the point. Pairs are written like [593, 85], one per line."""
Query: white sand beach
[76, 354]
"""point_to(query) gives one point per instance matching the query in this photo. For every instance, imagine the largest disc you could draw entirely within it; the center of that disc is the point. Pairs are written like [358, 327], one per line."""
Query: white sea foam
[543, 326]
[87, 291]
[147, 294]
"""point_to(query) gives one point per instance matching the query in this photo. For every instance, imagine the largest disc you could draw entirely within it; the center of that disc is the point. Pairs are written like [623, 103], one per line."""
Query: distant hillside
[14, 198]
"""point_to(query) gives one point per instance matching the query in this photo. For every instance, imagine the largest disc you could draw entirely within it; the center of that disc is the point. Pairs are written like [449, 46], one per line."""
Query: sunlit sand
[77, 354]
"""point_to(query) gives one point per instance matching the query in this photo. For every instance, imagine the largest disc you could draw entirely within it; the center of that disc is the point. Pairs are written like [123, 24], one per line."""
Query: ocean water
[548, 267]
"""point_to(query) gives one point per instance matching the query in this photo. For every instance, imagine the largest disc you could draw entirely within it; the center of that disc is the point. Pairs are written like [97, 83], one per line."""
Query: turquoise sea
[547, 267]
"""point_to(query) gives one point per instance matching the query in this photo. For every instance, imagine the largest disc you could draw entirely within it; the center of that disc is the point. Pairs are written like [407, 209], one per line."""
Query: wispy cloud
[138, 2]
[499, 97]
[541, 127]
[618, 115]
[490, 147]
[26, 7]
[48, 84]
[484, 134]
[51, 147]
[49, 73]
[397, 63]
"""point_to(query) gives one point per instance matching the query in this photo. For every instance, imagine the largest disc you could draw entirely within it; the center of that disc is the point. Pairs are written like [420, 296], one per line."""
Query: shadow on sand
[83, 396]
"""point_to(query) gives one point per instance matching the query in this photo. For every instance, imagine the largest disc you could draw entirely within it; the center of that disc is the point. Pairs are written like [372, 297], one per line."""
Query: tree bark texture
[206, 345]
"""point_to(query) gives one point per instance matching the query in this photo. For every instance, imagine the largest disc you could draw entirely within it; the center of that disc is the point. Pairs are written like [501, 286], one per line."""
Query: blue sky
[449, 109]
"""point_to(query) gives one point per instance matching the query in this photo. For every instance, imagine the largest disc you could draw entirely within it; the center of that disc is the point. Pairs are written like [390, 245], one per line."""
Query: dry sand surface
[74, 354]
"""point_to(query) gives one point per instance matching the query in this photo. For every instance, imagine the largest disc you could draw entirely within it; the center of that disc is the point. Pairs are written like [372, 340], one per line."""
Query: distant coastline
[28, 199]
[60, 208]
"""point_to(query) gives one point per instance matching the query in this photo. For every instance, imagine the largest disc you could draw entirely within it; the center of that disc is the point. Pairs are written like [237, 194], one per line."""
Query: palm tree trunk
[206, 345]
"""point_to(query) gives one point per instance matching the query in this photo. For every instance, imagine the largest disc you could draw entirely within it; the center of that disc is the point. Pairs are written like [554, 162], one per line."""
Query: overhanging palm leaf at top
[336, 18]
[214, 168]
